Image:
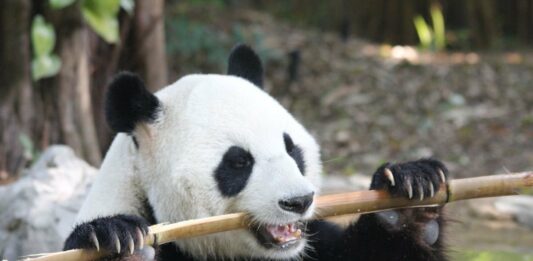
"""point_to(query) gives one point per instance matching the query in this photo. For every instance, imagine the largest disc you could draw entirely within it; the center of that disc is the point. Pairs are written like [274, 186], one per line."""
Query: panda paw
[414, 179]
[120, 234]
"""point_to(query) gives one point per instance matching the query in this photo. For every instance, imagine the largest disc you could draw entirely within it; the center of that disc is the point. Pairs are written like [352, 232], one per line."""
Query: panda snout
[298, 204]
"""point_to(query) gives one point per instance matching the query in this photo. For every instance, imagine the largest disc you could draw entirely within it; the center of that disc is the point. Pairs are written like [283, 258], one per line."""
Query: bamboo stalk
[327, 206]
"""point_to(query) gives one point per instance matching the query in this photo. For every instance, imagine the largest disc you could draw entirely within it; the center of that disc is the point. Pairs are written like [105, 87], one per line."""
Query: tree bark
[481, 22]
[60, 109]
[16, 95]
[149, 41]
[73, 103]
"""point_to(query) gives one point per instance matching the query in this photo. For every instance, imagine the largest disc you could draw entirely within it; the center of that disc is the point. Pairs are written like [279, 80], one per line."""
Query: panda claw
[420, 192]
[131, 244]
[409, 189]
[117, 243]
[431, 190]
[94, 240]
[442, 176]
[140, 238]
[389, 176]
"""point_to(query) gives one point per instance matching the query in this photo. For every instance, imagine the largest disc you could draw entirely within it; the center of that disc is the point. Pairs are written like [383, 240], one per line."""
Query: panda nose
[297, 204]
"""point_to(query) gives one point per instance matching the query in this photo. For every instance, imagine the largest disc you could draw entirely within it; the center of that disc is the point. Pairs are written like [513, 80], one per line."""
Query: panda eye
[289, 144]
[240, 163]
[238, 159]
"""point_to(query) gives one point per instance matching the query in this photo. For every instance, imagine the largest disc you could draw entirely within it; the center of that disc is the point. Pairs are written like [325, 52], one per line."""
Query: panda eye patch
[238, 158]
[234, 170]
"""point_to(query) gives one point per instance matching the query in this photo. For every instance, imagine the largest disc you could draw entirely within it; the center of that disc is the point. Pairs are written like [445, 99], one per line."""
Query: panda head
[217, 144]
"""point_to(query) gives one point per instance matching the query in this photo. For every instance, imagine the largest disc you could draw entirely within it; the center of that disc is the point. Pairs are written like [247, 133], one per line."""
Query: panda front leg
[407, 234]
[122, 236]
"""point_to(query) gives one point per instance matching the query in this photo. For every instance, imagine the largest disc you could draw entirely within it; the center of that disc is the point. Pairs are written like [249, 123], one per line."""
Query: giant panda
[212, 144]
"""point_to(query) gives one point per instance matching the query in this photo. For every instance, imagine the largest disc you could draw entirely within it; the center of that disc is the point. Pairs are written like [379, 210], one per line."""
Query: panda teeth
[297, 234]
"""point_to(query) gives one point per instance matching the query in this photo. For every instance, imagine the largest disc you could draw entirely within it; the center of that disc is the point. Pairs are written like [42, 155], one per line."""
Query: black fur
[245, 63]
[123, 226]
[417, 173]
[233, 171]
[148, 212]
[295, 152]
[368, 239]
[135, 142]
[128, 102]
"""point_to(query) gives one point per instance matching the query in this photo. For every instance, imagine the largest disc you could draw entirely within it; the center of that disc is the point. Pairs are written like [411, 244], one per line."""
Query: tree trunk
[16, 97]
[60, 109]
[481, 21]
[72, 105]
[141, 49]
[149, 43]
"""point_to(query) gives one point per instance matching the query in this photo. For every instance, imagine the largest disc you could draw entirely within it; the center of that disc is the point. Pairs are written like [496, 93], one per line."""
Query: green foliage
[101, 15]
[490, 256]
[189, 39]
[216, 3]
[439, 30]
[431, 38]
[45, 66]
[203, 47]
[30, 152]
[44, 63]
[43, 36]
[423, 31]
[58, 4]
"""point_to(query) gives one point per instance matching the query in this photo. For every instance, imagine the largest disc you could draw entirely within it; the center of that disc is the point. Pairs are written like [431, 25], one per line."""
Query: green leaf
[45, 66]
[101, 15]
[438, 26]
[58, 4]
[43, 36]
[128, 6]
[423, 31]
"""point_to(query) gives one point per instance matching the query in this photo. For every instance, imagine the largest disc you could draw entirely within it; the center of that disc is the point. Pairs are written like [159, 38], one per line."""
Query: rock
[37, 211]
[520, 207]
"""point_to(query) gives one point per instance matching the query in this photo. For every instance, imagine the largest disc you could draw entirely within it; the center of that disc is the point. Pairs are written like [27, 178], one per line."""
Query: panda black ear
[245, 63]
[128, 102]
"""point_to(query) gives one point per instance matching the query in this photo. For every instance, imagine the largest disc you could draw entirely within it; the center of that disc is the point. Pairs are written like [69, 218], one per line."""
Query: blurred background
[374, 81]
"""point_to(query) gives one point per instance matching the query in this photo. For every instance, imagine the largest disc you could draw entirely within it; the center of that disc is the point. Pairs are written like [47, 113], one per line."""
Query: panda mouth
[283, 236]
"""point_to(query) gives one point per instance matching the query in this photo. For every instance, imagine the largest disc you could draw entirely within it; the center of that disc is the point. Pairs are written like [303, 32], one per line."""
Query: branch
[330, 205]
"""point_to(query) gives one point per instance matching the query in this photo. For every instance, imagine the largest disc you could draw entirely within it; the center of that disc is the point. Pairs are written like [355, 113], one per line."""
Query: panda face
[210, 145]
[221, 145]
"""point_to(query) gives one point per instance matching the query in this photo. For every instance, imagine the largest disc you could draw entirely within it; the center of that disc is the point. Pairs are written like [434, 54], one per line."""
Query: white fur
[201, 117]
